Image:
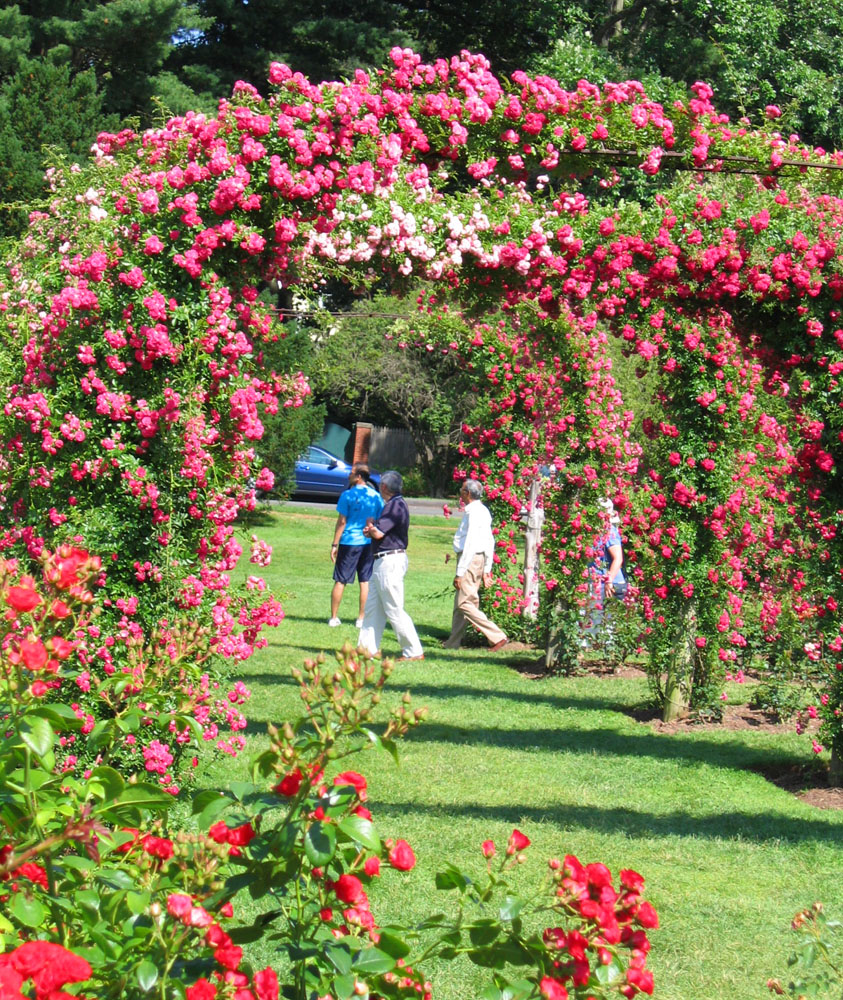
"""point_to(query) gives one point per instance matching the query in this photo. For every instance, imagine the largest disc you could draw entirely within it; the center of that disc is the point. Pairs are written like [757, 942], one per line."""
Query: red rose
[216, 937]
[372, 866]
[179, 906]
[219, 833]
[62, 648]
[33, 872]
[266, 984]
[598, 875]
[401, 856]
[641, 979]
[22, 598]
[229, 956]
[354, 779]
[157, 847]
[289, 784]
[348, 888]
[517, 842]
[632, 880]
[239, 836]
[60, 610]
[33, 653]
[552, 989]
[48, 965]
[488, 848]
[647, 916]
[201, 990]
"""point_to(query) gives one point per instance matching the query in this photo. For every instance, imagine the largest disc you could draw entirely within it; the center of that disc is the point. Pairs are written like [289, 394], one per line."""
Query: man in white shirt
[475, 546]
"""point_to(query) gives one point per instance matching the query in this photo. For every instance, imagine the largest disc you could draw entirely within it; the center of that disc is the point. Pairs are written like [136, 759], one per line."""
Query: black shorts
[353, 559]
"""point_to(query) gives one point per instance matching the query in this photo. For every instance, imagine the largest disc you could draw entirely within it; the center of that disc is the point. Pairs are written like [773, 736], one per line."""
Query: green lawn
[728, 856]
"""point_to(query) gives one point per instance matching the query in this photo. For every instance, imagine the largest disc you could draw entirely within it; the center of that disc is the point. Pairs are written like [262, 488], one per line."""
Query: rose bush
[99, 888]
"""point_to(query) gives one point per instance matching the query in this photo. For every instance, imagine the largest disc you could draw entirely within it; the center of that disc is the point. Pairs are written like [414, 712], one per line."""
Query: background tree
[383, 364]
[752, 52]
[289, 430]
[70, 70]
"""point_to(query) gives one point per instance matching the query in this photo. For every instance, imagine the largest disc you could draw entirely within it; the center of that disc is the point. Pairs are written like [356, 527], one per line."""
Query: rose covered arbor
[134, 319]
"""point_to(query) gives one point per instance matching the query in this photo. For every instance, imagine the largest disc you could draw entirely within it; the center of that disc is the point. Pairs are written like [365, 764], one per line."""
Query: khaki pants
[467, 608]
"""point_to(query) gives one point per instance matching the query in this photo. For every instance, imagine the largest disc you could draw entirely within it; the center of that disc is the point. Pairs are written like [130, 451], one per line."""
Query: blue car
[319, 473]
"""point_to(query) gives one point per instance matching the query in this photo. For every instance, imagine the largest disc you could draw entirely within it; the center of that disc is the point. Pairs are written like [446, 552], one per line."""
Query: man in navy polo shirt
[351, 551]
[386, 592]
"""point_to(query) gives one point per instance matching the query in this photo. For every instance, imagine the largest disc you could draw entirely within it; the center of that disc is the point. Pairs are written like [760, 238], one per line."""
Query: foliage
[817, 969]
[290, 429]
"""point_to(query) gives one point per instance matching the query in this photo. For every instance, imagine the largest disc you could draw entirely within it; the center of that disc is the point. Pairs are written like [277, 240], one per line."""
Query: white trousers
[385, 603]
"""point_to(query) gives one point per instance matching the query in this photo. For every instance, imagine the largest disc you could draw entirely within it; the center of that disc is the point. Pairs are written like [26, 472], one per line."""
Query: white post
[532, 540]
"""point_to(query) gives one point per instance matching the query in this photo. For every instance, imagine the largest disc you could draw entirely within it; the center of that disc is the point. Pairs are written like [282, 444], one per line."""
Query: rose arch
[135, 314]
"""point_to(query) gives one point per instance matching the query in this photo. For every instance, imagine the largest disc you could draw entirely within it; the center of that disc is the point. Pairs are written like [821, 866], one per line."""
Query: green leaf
[452, 878]
[361, 831]
[519, 990]
[78, 863]
[144, 796]
[373, 962]
[137, 902]
[390, 942]
[209, 805]
[116, 878]
[100, 735]
[37, 734]
[61, 715]
[108, 780]
[483, 932]
[391, 748]
[339, 955]
[500, 954]
[320, 843]
[344, 986]
[608, 974]
[147, 973]
[27, 910]
[89, 900]
[242, 789]
[511, 907]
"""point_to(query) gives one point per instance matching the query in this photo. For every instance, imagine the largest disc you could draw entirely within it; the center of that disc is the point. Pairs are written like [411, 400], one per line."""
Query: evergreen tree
[45, 111]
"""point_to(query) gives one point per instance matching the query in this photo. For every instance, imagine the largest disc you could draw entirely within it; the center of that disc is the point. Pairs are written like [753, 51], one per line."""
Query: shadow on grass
[728, 753]
[732, 824]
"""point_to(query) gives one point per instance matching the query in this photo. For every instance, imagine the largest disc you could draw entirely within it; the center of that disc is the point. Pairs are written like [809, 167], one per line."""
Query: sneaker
[359, 623]
[333, 622]
[498, 645]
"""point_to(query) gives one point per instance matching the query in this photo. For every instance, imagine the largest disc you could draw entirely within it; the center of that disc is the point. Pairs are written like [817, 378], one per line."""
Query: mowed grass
[728, 857]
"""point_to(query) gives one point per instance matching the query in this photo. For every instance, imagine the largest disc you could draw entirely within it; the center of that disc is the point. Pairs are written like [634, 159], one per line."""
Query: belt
[390, 552]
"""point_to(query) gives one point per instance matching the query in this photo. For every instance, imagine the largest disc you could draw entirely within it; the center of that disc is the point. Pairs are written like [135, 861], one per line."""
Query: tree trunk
[614, 10]
[835, 770]
[680, 670]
